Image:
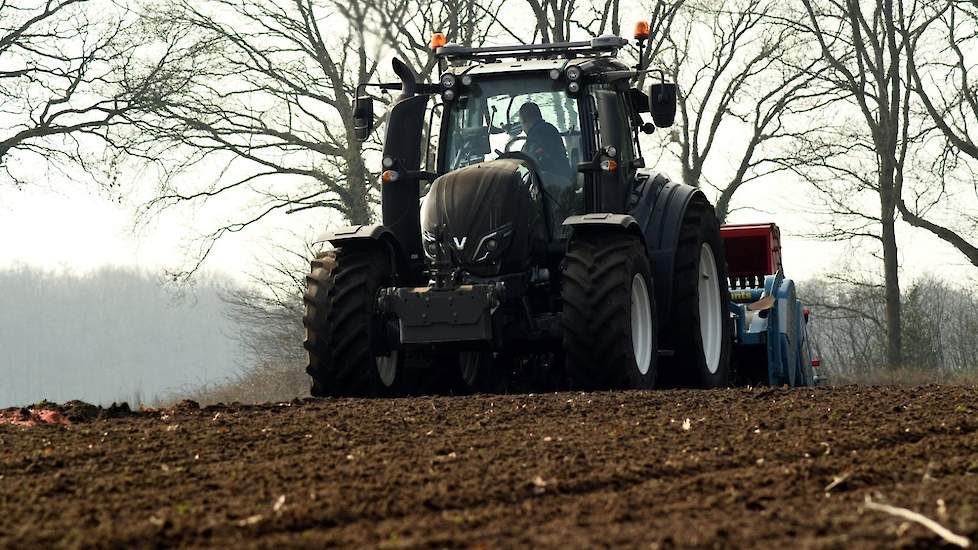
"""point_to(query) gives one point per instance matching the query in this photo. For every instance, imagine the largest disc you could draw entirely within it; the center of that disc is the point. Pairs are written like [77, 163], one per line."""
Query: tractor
[525, 244]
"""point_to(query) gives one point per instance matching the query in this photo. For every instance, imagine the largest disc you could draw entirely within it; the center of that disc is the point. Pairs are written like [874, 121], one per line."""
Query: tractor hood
[483, 218]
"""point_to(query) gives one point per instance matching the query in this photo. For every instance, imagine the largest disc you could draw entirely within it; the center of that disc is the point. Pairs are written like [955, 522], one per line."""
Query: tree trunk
[691, 175]
[891, 270]
[723, 203]
[358, 210]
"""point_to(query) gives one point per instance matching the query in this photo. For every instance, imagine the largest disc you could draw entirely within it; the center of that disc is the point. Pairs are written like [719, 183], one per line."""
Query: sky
[79, 229]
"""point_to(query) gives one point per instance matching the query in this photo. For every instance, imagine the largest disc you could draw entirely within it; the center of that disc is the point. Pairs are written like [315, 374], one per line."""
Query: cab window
[533, 116]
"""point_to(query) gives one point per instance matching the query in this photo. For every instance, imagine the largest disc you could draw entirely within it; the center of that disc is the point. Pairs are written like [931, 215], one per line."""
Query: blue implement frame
[782, 328]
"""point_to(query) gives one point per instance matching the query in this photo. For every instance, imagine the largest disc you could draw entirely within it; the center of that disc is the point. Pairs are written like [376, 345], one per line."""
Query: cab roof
[594, 55]
[588, 65]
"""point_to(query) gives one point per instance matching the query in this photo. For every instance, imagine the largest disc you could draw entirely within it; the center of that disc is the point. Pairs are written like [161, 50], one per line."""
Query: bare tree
[269, 99]
[270, 96]
[268, 315]
[554, 18]
[867, 153]
[941, 69]
[72, 77]
[753, 79]
[561, 20]
[847, 328]
[408, 26]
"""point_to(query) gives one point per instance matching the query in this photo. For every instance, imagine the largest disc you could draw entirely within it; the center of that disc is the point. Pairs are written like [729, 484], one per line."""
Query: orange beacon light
[641, 30]
[438, 40]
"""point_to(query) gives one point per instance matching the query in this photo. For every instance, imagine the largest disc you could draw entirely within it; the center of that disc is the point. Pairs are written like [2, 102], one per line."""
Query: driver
[545, 146]
[543, 142]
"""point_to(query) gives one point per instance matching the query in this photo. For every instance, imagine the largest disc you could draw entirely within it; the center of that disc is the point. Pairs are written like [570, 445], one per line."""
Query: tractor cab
[562, 118]
[529, 118]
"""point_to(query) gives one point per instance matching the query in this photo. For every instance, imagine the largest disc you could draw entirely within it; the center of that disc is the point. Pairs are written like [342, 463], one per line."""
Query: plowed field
[729, 468]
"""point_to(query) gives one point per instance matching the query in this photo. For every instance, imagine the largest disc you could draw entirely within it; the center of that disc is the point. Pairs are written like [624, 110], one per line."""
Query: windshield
[485, 121]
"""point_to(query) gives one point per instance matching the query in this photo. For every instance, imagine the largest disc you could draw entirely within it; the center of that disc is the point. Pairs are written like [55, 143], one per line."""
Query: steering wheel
[512, 141]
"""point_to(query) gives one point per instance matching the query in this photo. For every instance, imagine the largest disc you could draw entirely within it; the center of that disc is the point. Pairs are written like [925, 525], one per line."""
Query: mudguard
[343, 235]
[367, 234]
[659, 213]
[604, 220]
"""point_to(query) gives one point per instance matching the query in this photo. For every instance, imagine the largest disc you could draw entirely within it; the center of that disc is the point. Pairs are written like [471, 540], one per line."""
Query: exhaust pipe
[400, 206]
[409, 83]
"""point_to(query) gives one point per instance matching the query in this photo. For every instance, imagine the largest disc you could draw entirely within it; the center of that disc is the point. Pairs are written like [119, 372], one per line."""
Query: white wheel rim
[641, 315]
[711, 320]
[387, 368]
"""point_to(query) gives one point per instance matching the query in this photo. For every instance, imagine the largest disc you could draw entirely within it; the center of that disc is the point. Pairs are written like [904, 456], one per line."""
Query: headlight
[448, 81]
[491, 245]
[432, 248]
[573, 73]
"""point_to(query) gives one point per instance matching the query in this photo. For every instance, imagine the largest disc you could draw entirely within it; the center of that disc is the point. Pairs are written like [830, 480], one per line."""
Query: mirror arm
[588, 167]
[594, 165]
[421, 88]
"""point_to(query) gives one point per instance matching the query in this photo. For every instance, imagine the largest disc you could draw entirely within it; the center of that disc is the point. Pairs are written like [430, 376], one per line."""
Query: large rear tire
[609, 319]
[700, 330]
[345, 333]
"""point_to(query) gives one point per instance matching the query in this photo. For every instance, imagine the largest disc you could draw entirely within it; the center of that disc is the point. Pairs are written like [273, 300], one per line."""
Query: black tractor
[524, 245]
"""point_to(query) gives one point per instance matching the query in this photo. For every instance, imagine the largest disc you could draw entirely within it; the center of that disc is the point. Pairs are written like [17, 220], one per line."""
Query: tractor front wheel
[319, 281]
[483, 372]
[344, 333]
[609, 316]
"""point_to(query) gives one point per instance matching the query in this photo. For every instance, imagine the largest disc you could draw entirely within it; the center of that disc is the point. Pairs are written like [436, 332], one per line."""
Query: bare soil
[729, 468]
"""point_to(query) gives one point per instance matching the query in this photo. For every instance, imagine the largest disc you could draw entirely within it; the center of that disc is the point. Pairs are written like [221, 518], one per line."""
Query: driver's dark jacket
[544, 144]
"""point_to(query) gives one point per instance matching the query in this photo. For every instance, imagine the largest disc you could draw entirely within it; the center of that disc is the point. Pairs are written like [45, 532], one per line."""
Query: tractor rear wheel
[345, 333]
[700, 330]
[609, 318]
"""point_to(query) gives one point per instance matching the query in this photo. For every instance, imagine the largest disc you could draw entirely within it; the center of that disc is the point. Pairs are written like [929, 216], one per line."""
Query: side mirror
[662, 103]
[363, 117]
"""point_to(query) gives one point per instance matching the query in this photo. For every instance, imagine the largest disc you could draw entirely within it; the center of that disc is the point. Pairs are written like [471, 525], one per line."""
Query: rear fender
[368, 235]
[659, 214]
